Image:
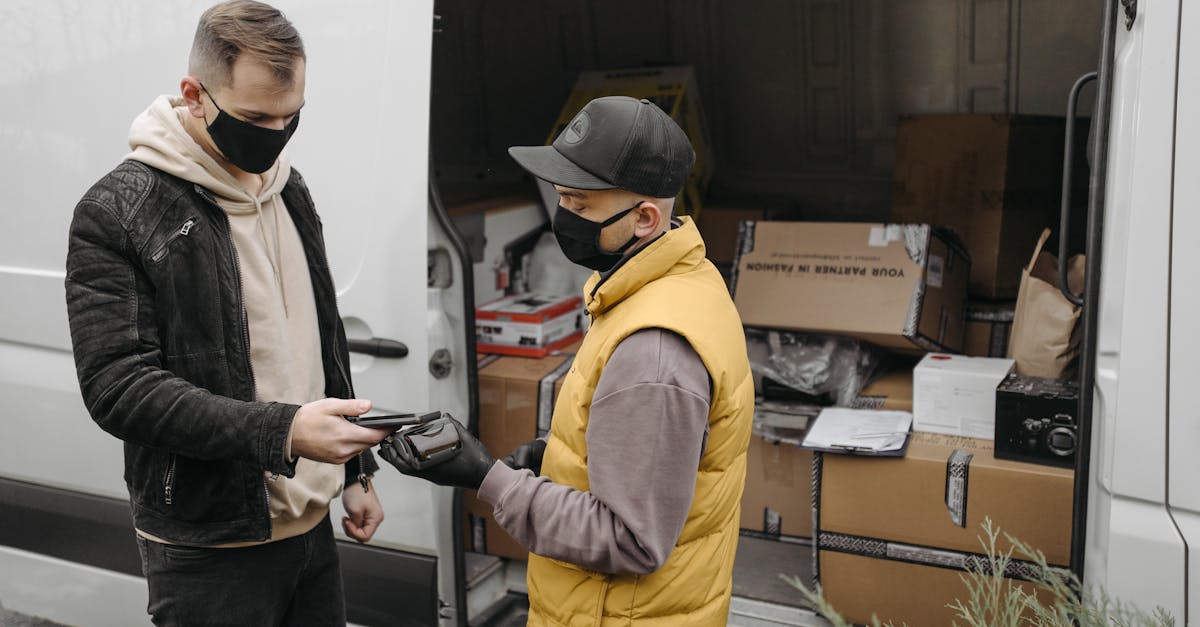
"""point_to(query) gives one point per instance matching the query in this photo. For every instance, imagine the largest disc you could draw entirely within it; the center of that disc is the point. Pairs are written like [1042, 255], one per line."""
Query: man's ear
[649, 218]
[190, 89]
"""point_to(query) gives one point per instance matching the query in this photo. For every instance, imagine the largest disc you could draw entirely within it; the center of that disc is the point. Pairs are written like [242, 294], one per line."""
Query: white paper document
[859, 430]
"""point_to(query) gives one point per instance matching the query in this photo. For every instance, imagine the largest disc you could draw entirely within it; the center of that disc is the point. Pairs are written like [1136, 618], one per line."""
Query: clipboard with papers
[881, 433]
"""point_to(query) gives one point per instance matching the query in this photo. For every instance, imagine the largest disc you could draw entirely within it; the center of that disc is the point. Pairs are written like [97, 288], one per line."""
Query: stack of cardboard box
[516, 401]
[893, 535]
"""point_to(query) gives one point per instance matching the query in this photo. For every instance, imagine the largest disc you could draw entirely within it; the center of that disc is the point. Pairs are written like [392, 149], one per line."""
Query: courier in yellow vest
[630, 506]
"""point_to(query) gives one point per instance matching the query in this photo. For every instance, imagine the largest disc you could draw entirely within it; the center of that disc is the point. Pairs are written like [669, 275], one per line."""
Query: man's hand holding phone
[320, 431]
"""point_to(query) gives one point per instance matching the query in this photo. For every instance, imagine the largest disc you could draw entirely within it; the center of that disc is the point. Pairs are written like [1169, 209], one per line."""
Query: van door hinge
[445, 610]
[1130, 12]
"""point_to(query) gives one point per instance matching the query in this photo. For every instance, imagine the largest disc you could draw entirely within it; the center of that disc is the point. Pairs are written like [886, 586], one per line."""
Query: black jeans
[297, 581]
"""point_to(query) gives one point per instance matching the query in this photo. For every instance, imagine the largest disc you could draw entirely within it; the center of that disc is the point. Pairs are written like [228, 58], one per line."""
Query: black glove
[465, 470]
[528, 455]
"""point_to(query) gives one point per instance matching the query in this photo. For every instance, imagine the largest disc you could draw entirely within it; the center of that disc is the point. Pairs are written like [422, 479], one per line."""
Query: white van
[802, 98]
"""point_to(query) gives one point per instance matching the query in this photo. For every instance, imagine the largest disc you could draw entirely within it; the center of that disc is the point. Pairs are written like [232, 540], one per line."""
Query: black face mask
[579, 239]
[250, 147]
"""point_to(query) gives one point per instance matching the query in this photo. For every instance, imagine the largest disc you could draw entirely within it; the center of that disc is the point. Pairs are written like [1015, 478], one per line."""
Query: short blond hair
[230, 29]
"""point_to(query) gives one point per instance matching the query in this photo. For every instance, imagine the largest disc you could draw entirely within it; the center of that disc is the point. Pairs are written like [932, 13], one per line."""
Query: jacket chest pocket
[184, 266]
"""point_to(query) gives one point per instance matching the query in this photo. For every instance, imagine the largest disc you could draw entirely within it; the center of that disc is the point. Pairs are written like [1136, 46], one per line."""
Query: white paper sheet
[862, 430]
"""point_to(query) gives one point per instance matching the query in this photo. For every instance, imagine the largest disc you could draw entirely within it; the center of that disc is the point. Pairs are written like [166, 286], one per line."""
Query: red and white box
[528, 325]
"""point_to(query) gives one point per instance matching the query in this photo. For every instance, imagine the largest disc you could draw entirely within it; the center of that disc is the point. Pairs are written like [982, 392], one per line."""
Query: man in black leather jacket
[206, 336]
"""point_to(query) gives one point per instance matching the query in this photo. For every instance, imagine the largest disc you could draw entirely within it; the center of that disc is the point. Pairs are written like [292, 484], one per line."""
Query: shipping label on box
[899, 286]
[956, 394]
[912, 524]
[530, 325]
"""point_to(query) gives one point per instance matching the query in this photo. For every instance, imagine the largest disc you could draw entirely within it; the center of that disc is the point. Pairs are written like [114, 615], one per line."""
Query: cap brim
[550, 165]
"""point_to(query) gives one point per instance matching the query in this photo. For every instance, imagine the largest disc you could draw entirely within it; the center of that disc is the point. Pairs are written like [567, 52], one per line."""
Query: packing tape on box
[876, 548]
[546, 396]
[958, 467]
[817, 471]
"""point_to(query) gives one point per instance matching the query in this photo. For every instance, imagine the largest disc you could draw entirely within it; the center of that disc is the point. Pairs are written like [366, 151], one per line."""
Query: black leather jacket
[162, 352]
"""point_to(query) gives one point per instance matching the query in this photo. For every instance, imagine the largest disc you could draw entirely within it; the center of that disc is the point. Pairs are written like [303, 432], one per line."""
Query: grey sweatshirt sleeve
[647, 429]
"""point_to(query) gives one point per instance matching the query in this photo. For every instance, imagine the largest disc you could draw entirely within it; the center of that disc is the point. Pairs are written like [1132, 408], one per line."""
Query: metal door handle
[378, 347]
[1068, 161]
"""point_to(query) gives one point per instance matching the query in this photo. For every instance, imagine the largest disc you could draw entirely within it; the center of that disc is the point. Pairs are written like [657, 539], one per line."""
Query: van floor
[756, 575]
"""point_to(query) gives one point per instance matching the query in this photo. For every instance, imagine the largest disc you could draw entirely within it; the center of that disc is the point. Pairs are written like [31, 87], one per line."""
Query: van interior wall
[801, 97]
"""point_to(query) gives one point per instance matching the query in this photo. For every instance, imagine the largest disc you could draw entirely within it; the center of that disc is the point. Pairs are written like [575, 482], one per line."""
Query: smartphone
[394, 421]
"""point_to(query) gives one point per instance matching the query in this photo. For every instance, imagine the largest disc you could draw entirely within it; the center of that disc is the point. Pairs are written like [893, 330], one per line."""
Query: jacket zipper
[237, 265]
[161, 251]
[169, 481]
[337, 359]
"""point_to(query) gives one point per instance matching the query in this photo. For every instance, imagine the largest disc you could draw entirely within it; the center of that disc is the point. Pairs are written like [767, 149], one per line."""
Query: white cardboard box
[956, 394]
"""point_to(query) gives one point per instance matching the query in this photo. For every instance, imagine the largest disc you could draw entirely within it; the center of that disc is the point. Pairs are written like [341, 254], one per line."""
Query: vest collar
[677, 250]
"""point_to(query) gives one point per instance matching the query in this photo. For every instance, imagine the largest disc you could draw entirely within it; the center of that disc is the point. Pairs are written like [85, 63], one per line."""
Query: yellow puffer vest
[668, 285]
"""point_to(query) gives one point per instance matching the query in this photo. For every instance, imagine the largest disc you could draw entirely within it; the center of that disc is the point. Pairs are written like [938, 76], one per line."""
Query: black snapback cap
[615, 142]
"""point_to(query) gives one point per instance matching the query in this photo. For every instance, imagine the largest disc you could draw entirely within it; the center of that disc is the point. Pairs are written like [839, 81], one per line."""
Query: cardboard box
[894, 534]
[484, 535]
[898, 286]
[777, 497]
[497, 231]
[893, 391]
[516, 400]
[956, 394]
[988, 328]
[528, 325]
[996, 179]
[719, 227]
[516, 397]
[675, 91]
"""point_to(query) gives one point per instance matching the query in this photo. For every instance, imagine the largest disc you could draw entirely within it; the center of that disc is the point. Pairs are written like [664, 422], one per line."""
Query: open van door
[75, 75]
[1134, 548]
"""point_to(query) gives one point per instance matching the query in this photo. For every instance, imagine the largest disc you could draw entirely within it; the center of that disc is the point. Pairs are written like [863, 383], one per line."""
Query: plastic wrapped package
[783, 421]
[828, 368]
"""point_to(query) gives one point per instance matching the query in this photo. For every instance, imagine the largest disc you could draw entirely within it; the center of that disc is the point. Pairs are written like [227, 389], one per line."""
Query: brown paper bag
[1045, 332]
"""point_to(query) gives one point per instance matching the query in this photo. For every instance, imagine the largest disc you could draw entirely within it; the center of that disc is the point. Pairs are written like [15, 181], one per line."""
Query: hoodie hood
[159, 140]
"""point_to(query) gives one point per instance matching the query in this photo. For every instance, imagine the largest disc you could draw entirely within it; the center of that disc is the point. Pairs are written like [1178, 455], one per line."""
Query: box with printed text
[528, 325]
[901, 286]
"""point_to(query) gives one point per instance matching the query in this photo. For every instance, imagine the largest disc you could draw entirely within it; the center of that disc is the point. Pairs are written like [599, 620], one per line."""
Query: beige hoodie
[285, 349]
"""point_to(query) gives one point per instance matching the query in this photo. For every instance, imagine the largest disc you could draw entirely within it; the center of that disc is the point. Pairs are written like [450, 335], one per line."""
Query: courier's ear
[649, 219]
[192, 92]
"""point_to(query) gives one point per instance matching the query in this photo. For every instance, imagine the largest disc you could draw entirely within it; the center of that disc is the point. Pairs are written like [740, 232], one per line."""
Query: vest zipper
[169, 481]
[237, 265]
[600, 602]
[186, 228]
